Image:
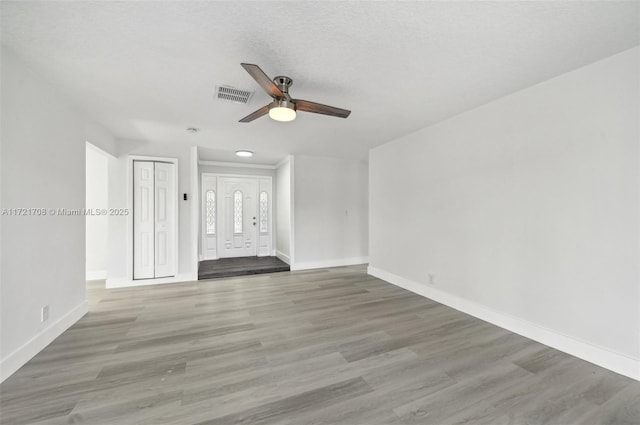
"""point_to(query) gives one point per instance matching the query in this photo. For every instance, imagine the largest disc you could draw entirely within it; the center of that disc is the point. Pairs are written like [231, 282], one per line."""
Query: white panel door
[165, 216]
[238, 218]
[154, 219]
[143, 220]
[209, 201]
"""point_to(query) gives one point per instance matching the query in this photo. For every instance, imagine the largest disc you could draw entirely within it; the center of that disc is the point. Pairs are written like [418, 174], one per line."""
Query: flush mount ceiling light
[244, 153]
[282, 110]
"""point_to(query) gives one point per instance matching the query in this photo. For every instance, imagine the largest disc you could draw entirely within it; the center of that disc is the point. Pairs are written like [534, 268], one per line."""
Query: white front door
[154, 218]
[238, 217]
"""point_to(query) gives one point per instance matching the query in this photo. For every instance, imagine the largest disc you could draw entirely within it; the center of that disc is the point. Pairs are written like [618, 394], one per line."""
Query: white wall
[244, 171]
[43, 257]
[331, 212]
[526, 212]
[283, 211]
[120, 227]
[97, 197]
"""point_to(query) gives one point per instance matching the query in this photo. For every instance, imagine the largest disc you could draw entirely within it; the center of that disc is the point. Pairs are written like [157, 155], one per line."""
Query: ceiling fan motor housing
[282, 103]
[283, 83]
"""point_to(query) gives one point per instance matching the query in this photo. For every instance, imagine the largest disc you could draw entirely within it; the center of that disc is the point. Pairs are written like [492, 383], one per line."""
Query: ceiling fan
[283, 107]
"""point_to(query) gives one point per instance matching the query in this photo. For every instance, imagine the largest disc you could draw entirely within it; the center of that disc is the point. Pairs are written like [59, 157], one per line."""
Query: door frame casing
[130, 227]
[272, 248]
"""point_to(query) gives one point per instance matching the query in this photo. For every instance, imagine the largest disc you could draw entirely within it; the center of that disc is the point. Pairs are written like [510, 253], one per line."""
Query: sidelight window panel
[264, 212]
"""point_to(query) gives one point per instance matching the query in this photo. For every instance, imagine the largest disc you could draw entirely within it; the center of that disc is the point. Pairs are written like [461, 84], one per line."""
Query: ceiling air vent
[230, 94]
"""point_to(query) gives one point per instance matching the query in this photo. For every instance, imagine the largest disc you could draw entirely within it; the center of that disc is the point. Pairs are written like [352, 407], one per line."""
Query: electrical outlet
[44, 313]
[432, 279]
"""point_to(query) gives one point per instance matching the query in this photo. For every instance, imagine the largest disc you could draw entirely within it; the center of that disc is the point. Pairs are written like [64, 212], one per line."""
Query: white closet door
[143, 220]
[165, 216]
[154, 218]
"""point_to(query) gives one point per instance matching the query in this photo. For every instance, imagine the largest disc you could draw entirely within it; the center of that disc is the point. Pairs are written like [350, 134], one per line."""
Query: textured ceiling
[147, 70]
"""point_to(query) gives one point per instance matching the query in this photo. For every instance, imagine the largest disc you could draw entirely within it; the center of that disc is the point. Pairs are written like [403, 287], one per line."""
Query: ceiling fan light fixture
[283, 107]
[282, 111]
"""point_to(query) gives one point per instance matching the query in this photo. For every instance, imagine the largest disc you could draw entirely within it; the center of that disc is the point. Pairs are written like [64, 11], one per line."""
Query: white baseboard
[609, 359]
[127, 283]
[96, 275]
[306, 265]
[28, 350]
[283, 257]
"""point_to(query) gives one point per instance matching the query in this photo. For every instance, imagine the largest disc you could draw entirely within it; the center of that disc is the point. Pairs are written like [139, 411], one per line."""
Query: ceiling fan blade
[257, 114]
[318, 108]
[261, 78]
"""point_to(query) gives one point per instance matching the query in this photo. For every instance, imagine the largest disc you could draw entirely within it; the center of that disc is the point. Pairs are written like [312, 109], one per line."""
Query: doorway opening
[96, 202]
[237, 226]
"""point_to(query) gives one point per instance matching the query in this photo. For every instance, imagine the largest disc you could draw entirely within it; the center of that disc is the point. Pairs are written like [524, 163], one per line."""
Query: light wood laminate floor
[331, 346]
